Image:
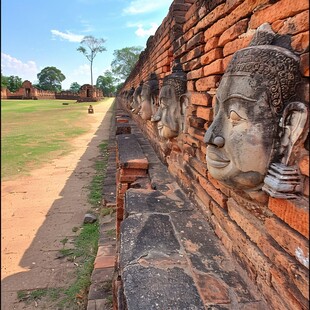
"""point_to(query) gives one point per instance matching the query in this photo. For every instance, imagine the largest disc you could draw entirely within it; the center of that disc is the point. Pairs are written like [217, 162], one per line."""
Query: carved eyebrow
[239, 97]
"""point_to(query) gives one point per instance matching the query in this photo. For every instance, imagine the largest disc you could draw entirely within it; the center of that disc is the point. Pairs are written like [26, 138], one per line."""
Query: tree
[106, 83]
[14, 83]
[4, 81]
[50, 78]
[125, 60]
[94, 46]
[75, 87]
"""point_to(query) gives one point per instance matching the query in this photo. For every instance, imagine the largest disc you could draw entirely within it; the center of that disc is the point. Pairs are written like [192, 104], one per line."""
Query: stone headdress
[177, 79]
[269, 59]
[153, 84]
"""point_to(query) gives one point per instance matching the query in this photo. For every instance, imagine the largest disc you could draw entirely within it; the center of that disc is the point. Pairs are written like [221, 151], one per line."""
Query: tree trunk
[91, 73]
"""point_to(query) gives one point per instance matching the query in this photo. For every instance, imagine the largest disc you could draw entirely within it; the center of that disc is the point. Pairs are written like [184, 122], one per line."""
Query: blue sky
[36, 34]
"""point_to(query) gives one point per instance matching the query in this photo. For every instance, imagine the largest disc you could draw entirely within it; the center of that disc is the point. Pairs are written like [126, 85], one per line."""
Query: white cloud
[13, 66]
[144, 6]
[140, 32]
[71, 37]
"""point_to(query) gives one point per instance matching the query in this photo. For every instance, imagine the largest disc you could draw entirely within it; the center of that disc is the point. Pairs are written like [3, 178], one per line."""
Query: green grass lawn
[35, 131]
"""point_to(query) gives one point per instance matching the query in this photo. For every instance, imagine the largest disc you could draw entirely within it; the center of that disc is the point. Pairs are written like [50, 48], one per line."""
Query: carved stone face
[136, 101]
[167, 114]
[146, 102]
[241, 137]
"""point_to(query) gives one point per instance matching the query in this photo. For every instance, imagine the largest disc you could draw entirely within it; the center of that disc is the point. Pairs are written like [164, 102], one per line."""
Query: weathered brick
[240, 12]
[304, 64]
[226, 61]
[289, 240]
[220, 199]
[211, 56]
[304, 165]
[195, 74]
[196, 52]
[300, 42]
[202, 98]
[211, 43]
[237, 44]
[210, 18]
[280, 10]
[207, 82]
[205, 113]
[296, 24]
[196, 40]
[233, 32]
[294, 213]
[192, 65]
[245, 220]
[215, 67]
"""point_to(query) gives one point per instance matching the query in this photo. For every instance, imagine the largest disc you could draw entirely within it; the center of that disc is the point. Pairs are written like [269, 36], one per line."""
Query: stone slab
[155, 288]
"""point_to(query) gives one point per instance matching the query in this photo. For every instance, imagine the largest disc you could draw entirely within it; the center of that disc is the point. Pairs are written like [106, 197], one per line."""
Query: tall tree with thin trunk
[93, 47]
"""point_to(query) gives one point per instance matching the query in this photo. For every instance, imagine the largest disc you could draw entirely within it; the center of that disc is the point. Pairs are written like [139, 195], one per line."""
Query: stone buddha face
[241, 137]
[136, 101]
[256, 121]
[149, 95]
[173, 102]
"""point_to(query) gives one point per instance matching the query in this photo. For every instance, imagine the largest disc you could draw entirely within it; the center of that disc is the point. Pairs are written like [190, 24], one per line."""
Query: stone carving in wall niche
[136, 101]
[149, 97]
[173, 102]
[130, 96]
[258, 121]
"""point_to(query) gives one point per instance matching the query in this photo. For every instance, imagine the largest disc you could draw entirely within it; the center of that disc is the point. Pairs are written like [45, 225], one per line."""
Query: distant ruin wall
[87, 93]
[269, 239]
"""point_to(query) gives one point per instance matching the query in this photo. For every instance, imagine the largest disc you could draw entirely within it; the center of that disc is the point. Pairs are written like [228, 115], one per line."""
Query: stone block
[277, 11]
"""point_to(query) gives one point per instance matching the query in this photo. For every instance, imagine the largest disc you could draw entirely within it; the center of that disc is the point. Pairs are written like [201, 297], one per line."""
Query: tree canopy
[50, 78]
[14, 83]
[125, 60]
[106, 82]
[94, 46]
[4, 81]
[75, 87]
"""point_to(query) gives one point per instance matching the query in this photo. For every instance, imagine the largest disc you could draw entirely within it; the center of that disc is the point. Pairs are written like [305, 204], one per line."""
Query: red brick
[304, 165]
[207, 83]
[241, 244]
[279, 10]
[196, 133]
[213, 289]
[192, 65]
[205, 113]
[202, 98]
[104, 262]
[196, 40]
[226, 61]
[195, 74]
[244, 9]
[245, 220]
[284, 289]
[201, 194]
[289, 240]
[295, 213]
[233, 32]
[194, 53]
[298, 275]
[300, 42]
[211, 43]
[304, 64]
[211, 56]
[210, 18]
[213, 192]
[215, 67]
[296, 24]
[237, 44]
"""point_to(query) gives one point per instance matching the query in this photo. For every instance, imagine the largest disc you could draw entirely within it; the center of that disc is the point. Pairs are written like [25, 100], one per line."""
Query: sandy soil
[40, 210]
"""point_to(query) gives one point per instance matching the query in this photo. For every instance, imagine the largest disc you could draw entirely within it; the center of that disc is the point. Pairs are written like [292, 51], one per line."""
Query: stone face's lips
[216, 159]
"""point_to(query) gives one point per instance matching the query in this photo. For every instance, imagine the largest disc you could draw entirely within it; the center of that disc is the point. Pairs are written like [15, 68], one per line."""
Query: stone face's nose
[211, 139]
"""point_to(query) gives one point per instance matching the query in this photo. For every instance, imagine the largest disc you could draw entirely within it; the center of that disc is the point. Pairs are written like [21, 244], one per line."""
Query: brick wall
[270, 240]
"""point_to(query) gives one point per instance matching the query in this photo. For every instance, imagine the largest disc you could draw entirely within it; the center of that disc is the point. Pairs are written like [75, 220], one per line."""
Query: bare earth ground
[40, 210]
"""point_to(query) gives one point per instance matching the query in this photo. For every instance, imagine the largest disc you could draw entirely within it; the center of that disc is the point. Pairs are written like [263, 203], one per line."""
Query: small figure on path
[90, 109]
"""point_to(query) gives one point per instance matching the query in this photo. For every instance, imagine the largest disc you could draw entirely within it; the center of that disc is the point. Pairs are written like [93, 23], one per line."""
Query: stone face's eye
[235, 117]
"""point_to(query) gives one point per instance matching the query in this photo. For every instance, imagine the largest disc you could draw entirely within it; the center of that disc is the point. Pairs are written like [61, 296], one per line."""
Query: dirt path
[40, 210]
